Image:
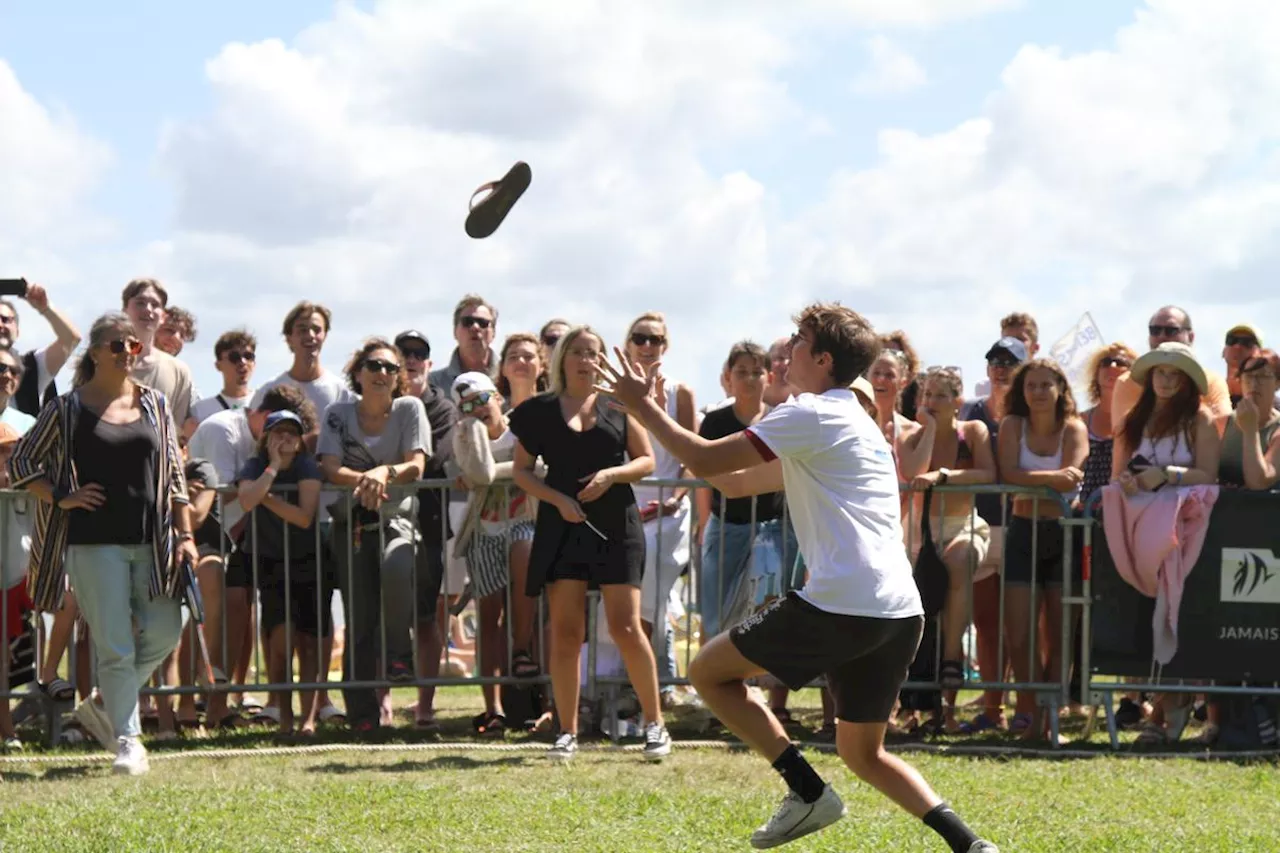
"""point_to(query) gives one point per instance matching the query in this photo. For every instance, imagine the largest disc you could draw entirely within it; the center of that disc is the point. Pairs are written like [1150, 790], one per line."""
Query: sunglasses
[955, 368]
[376, 365]
[550, 340]
[118, 347]
[1164, 331]
[1002, 362]
[468, 322]
[241, 357]
[10, 370]
[640, 339]
[415, 352]
[1112, 361]
[1241, 341]
[479, 401]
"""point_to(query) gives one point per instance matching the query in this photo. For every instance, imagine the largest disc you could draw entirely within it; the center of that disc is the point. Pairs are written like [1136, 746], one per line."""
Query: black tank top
[122, 459]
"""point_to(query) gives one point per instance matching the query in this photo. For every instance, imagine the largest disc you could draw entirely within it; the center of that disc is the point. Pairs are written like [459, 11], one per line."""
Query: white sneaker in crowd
[564, 749]
[795, 818]
[131, 758]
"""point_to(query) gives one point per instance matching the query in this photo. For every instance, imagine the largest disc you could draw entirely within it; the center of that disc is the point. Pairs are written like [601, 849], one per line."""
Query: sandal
[59, 690]
[427, 725]
[784, 716]
[331, 714]
[981, 723]
[951, 675]
[488, 213]
[524, 666]
[1020, 723]
[495, 725]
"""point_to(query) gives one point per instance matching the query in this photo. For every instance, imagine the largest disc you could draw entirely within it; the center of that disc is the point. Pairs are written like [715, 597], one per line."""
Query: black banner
[1229, 622]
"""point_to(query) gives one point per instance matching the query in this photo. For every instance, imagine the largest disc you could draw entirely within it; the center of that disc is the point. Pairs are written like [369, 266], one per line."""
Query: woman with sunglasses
[10, 379]
[588, 533]
[665, 511]
[379, 441]
[104, 463]
[1106, 367]
[552, 331]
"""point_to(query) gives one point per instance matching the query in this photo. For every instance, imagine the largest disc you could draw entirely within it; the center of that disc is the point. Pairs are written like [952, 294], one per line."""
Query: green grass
[697, 800]
[413, 795]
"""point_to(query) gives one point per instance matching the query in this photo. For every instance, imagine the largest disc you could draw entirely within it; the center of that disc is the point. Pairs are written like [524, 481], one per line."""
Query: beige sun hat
[862, 385]
[1175, 354]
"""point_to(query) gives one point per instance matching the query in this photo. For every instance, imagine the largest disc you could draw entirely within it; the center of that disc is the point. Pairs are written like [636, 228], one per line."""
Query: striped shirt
[47, 451]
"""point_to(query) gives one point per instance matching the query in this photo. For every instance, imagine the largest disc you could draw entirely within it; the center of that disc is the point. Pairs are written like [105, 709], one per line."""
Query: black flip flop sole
[486, 216]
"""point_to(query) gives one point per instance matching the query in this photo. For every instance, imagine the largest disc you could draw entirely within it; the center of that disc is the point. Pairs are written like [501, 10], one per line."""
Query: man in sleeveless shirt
[39, 366]
[859, 618]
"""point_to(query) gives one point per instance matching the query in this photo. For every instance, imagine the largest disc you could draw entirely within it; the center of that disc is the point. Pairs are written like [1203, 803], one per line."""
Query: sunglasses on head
[10, 369]
[1113, 361]
[118, 346]
[1241, 341]
[469, 321]
[640, 339]
[479, 401]
[377, 365]
[420, 353]
[241, 357]
[1158, 331]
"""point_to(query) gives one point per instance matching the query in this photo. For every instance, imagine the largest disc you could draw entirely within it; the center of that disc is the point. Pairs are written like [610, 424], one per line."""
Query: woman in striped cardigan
[112, 518]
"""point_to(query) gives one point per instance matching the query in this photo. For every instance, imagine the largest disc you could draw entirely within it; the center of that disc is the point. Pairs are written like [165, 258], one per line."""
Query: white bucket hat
[1175, 354]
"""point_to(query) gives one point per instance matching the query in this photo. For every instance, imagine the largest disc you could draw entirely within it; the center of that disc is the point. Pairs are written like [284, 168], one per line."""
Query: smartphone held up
[13, 287]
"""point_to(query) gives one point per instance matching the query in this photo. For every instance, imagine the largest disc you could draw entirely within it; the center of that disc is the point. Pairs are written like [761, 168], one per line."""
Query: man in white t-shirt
[859, 618]
[305, 329]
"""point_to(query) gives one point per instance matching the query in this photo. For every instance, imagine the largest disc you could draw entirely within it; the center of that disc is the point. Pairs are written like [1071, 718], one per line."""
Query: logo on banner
[1250, 576]
[1073, 350]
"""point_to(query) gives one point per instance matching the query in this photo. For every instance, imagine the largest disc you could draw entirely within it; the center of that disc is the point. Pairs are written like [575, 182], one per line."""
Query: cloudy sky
[932, 163]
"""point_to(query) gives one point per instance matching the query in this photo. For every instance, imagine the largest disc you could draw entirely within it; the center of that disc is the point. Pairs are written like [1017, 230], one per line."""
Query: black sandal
[487, 215]
[491, 725]
[951, 675]
[524, 666]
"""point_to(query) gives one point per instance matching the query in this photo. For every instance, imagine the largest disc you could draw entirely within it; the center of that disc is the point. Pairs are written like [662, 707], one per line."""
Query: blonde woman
[588, 533]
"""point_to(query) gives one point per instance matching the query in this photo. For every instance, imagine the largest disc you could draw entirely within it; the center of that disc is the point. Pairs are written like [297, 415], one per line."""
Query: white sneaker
[565, 748]
[657, 742]
[94, 720]
[131, 758]
[795, 818]
[983, 847]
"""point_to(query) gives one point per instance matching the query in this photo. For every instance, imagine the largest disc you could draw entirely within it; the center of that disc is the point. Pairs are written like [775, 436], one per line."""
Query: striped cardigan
[47, 451]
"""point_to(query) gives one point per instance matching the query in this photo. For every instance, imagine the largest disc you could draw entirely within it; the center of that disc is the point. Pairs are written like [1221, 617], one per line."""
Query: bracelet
[269, 470]
[1175, 473]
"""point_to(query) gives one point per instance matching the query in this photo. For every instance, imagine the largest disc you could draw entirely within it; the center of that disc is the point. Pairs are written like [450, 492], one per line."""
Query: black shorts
[239, 571]
[1020, 554]
[309, 599]
[864, 659]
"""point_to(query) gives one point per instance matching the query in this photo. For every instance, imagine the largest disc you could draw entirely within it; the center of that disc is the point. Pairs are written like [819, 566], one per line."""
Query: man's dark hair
[137, 286]
[843, 334]
[286, 398]
[235, 339]
[748, 349]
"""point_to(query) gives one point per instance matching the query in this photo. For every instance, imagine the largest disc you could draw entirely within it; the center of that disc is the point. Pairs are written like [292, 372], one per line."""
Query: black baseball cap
[412, 335]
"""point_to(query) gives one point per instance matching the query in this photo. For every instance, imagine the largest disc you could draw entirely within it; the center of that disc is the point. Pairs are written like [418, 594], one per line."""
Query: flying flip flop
[487, 214]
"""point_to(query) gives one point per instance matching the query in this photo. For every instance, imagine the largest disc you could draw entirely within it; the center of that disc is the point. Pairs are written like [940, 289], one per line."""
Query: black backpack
[931, 575]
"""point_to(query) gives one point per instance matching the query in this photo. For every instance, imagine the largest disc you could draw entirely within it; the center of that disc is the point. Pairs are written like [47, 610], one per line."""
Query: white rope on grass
[464, 747]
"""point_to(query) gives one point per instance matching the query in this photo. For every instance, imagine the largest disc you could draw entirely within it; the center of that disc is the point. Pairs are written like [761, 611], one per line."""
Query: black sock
[942, 820]
[800, 775]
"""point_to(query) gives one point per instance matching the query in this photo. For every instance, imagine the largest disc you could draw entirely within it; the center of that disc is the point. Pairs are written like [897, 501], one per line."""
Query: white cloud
[890, 70]
[337, 165]
[48, 168]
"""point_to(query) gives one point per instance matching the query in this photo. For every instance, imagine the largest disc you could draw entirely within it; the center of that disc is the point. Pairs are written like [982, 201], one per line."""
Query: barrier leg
[1109, 707]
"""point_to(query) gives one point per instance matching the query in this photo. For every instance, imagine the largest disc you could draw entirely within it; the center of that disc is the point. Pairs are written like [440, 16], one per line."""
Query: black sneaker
[1129, 714]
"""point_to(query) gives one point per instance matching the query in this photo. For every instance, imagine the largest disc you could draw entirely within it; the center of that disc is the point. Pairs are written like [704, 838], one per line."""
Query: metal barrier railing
[408, 571]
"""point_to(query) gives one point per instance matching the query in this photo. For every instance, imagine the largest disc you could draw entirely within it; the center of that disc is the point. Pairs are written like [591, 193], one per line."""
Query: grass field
[413, 796]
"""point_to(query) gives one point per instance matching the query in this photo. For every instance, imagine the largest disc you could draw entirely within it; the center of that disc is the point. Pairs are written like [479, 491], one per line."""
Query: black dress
[564, 551]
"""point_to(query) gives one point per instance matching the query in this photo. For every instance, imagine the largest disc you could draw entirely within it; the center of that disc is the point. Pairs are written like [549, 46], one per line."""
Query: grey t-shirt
[407, 430]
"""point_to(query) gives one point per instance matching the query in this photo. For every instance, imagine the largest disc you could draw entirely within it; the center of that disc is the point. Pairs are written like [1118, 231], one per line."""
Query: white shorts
[990, 565]
[662, 568]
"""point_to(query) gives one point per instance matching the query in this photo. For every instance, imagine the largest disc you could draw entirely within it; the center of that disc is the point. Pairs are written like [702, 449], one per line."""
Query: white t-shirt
[201, 410]
[225, 441]
[842, 490]
[323, 392]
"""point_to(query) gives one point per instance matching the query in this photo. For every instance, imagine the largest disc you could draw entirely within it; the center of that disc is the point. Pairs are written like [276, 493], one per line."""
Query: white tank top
[1029, 460]
[665, 466]
[1168, 450]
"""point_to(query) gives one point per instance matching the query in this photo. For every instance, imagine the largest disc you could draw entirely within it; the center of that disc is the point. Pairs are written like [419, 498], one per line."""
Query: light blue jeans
[112, 583]
[724, 571]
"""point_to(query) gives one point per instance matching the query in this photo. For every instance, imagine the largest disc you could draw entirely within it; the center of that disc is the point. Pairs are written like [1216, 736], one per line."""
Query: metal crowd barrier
[602, 690]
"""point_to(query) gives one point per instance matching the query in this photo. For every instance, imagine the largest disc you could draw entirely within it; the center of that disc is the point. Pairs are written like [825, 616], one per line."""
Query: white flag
[1072, 352]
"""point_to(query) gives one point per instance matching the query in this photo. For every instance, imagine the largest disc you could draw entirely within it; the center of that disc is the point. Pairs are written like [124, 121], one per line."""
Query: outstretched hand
[628, 383]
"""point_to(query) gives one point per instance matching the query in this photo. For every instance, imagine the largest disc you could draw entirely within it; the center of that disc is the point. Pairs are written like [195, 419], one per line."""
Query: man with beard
[39, 367]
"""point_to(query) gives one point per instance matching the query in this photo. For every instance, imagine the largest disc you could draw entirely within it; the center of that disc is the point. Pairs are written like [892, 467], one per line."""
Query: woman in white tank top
[665, 510]
[1042, 443]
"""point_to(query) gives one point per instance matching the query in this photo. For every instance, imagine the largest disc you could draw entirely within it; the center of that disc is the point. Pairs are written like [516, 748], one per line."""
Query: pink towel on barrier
[1155, 539]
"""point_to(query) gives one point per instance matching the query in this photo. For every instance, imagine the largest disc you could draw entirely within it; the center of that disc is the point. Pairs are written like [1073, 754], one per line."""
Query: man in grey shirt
[475, 323]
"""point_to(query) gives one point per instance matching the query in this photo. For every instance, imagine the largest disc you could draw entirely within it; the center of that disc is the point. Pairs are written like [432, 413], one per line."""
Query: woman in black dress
[588, 534]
